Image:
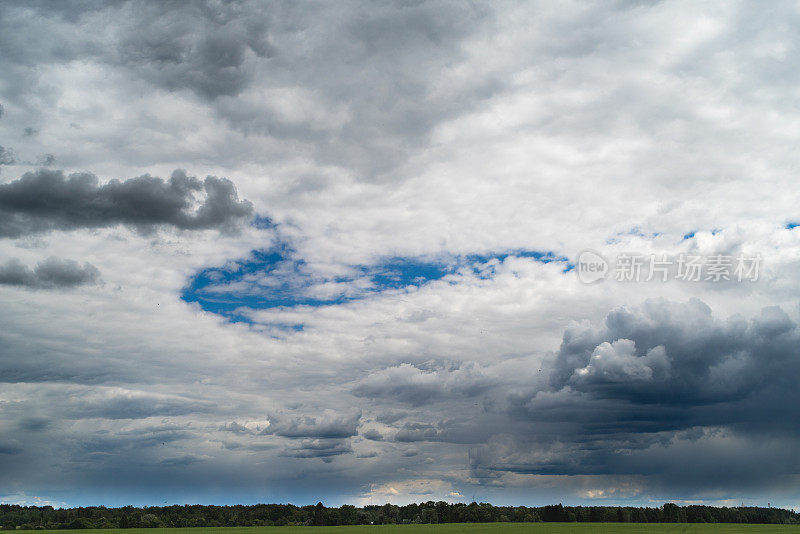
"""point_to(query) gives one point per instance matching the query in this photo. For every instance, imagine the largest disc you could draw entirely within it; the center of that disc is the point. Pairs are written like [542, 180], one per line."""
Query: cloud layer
[374, 321]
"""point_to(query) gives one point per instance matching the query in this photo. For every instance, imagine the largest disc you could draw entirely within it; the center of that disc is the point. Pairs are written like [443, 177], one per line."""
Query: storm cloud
[46, 200]
[678, 354]
[665, 390]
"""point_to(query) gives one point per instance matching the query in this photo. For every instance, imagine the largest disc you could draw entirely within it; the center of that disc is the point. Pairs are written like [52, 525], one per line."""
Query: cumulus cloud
[653, 386]
[46, 200]
[618, 362]
[667, 350]
[49, 274]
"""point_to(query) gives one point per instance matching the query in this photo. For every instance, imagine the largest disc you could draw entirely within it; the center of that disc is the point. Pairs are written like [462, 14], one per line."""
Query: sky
[369, 252]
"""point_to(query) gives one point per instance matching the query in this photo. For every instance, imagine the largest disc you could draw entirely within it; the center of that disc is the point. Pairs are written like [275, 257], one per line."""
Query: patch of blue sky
[266, 279]
[262, 223]
[635, 231]
[276, 278]
[397, 272]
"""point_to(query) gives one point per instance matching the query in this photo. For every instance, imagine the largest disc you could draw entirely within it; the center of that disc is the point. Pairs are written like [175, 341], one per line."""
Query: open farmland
[477, 528]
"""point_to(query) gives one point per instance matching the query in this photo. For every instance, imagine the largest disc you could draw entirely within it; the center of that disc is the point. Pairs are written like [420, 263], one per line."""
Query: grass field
[475, 528]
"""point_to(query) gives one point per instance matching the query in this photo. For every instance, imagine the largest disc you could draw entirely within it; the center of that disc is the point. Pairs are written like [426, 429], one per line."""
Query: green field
[473, 528]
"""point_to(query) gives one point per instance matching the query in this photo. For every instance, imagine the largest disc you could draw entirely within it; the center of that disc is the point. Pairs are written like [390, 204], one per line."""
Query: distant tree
[15, 517]
[672, 513]
[319, 515]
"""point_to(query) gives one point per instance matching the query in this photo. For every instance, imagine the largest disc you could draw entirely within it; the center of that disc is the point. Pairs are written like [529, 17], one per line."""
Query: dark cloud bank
[46, 200]
[664, 390]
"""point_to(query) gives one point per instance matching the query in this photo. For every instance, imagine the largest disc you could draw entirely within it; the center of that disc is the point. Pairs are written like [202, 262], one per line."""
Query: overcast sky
[270, 252]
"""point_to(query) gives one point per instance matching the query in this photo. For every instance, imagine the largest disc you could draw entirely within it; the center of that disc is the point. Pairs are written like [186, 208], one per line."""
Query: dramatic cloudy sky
[327, 251]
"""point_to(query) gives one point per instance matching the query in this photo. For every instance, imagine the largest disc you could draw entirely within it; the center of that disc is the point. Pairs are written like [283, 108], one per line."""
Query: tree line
[16, 517]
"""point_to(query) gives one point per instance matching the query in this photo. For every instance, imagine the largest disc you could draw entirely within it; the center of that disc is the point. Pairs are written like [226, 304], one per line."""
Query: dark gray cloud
[678, 354]
[204, 48]
[51, 273]
[666, 390]
[326, 425]
[46, 200]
